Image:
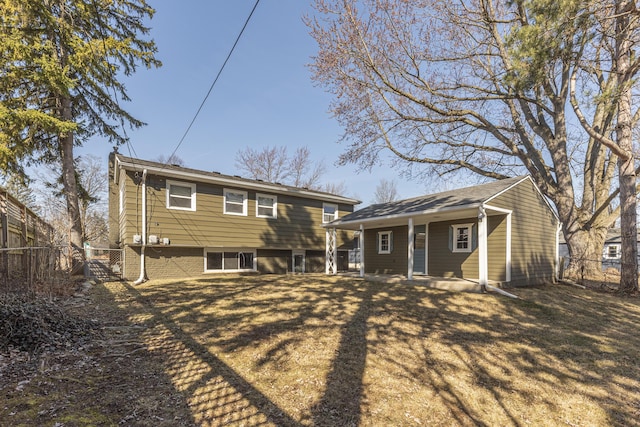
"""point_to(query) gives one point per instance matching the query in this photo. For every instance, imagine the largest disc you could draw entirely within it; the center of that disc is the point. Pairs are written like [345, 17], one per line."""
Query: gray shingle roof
[459, 198]
[168, 168]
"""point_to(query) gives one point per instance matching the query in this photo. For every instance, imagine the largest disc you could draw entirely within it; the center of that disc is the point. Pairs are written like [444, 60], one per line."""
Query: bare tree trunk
[626, 167]
[585, 251]
[70, 187]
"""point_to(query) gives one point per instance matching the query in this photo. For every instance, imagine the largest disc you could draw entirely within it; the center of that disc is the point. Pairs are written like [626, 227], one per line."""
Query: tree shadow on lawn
[292, 350]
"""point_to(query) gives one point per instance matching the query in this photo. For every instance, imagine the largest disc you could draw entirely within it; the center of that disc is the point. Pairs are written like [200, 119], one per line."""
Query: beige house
[173, 221]
[502, 232]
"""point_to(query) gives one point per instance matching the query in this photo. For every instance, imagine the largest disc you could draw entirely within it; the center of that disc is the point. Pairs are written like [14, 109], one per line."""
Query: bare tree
[303, 171]
[274, 164]
[386, 192]
[337, 188]
[92, 185]
[172, 159]
[269, 164]
[452, 87]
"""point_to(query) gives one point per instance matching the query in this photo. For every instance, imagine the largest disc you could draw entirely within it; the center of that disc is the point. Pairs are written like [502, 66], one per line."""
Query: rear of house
[186, 222]
[504, 232]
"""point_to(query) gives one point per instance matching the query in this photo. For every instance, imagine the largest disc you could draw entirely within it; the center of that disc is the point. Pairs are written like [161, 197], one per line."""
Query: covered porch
[461, 248]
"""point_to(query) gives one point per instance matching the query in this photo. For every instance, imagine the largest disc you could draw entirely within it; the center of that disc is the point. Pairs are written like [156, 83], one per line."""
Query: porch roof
[459, 203]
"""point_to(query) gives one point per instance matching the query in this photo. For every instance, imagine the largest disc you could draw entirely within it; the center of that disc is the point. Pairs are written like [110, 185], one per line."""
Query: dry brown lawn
[337, 351]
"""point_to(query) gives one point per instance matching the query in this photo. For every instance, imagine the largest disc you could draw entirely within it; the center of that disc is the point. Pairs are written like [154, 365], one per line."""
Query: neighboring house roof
[613, 237]
[459, 199]
[188, 174]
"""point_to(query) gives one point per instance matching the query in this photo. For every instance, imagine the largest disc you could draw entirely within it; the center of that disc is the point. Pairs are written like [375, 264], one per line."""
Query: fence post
[4, 235]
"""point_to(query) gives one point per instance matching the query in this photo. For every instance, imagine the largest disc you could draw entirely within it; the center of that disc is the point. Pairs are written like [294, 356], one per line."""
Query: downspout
[557, 269]
[144, 227]
[483, 259]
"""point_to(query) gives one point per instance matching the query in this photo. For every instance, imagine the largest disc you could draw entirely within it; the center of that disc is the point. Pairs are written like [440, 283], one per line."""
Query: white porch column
[331, 252]
[483, 265]
[361, 244]
[426, 249]
[410, 251]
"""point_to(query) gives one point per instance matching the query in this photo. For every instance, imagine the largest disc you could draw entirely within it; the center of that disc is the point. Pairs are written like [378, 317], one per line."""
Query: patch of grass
[318, 350]
[337, 351]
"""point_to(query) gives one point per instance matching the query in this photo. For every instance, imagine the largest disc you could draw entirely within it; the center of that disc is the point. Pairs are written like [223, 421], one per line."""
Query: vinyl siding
[393, 263]
[297, 226]
[533, 231]
[272, 261]
[445, 263]
[497, 247]
[315, 262]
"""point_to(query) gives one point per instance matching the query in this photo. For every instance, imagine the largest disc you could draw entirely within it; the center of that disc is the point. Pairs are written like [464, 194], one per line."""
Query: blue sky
[265, 95]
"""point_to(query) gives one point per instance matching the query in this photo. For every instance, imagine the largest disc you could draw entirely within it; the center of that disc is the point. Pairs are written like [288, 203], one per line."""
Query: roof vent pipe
[144, 228]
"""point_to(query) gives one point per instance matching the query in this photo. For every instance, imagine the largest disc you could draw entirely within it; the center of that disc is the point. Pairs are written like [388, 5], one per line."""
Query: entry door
[298, 261]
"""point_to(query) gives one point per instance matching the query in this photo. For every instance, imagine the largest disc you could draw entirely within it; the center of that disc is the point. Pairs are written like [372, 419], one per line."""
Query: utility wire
[215, 80]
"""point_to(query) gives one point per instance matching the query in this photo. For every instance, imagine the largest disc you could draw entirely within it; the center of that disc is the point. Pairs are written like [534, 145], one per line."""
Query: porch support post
[483, 259]
[410, 251]
[361, 244]
[331, 252]
[426, 248]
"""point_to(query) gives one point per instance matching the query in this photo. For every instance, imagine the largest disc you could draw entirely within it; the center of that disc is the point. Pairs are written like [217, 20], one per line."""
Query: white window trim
[181, 184]
[244, 202]
[454, 244]
[607, 251]
[335, 214]
[235, 270]
[389, 236]
[275, 205]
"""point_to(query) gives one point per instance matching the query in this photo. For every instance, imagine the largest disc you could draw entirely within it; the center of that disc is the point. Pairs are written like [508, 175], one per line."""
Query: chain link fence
[104, 263]
[594, 273]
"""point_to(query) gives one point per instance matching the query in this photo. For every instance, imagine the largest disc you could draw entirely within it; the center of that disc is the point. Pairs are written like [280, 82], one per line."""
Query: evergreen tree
[60, 60]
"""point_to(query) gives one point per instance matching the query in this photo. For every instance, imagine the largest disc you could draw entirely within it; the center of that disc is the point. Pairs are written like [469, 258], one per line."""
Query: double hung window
[329, 212]
[385, 242]
[462, 237]
[266, 206]
[235, 202]
[181, 195]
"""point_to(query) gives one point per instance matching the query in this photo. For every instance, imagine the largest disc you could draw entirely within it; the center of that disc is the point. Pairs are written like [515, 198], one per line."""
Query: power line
[215, 80]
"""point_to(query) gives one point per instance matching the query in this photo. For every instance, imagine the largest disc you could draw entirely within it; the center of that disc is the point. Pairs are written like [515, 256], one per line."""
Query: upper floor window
[329, 212]
[181, 195]
[235, 202]
[266, 206]
[462, 237]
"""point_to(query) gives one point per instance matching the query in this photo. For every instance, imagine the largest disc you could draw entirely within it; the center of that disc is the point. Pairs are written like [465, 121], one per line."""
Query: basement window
[230, 261]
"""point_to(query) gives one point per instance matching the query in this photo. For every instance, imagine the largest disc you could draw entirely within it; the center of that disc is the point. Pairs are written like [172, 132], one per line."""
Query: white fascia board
[510, 187]
[356, 222]
[241, 184]
[497, 209]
